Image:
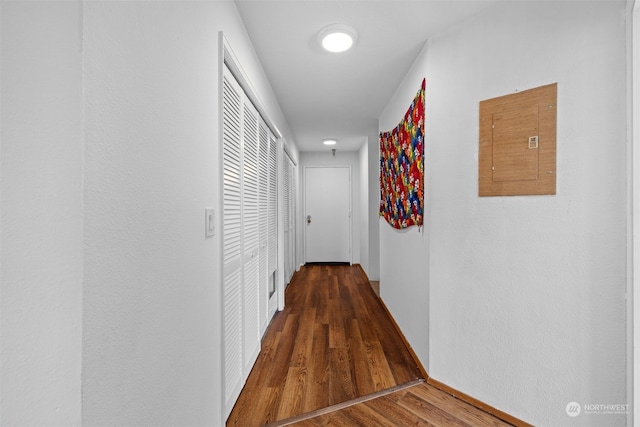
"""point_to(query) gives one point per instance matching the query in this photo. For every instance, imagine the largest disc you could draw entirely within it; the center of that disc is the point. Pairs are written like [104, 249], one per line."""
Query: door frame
[304, 213]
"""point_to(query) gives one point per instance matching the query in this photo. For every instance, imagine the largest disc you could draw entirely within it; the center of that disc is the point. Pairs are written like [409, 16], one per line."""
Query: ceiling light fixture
[330, 141]
[337, 37]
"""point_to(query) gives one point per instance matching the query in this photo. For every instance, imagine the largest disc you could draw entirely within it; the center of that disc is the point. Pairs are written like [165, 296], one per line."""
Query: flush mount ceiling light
[329, 141]
[337, 37]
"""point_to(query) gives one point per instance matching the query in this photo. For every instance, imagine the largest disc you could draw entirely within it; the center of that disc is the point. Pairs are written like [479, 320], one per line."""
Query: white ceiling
[342, 95]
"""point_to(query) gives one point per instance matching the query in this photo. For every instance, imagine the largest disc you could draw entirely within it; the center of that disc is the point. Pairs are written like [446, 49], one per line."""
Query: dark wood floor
[335, 347]
[417, 405]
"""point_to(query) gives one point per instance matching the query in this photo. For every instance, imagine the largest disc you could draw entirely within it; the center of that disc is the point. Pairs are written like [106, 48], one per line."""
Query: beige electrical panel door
[517, 154]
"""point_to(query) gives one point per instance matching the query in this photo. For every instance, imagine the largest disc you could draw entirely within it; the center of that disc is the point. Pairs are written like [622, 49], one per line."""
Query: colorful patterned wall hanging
[402, 168]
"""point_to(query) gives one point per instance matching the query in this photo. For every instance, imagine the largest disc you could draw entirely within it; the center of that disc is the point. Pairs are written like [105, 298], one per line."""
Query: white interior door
[327, 214]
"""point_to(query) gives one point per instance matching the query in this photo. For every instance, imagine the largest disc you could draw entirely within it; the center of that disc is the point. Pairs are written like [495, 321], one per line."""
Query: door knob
[308, 219]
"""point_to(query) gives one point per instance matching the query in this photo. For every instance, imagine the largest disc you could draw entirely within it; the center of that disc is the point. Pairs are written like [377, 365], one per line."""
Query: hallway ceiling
[326, 95]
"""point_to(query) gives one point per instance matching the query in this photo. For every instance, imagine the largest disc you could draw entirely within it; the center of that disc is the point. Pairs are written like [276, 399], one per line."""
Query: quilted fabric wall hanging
[402, 168]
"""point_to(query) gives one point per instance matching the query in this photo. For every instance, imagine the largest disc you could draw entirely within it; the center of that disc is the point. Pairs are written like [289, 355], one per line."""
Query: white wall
[522, 297]
[151, 336]
[41, 228]
[404, 254]
[636, 209]
[111, 294]
[152, 288]
[373, 161]
[363, 164]
[348, 158]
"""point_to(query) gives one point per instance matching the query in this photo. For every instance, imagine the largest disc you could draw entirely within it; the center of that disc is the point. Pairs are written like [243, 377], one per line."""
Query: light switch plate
[210, 222]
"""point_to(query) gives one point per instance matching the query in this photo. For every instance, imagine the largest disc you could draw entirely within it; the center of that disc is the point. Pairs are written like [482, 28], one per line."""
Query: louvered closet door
[232, 240]
[272, 262]
[286, 196]
[272, 220]
[263, 206]
[251, 227]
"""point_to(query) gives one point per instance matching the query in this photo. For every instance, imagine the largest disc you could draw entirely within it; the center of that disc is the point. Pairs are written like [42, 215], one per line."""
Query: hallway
[334, 357]
[112, 207]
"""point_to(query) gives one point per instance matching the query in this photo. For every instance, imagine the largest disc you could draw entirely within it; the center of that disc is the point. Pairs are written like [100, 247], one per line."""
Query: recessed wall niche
[517, 154]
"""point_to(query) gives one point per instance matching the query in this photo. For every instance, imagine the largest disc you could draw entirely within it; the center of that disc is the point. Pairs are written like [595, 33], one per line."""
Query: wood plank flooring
[418, 405]
[331, 347]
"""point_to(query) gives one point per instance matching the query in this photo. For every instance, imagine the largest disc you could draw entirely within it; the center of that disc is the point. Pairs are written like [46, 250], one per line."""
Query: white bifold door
[247, 235]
